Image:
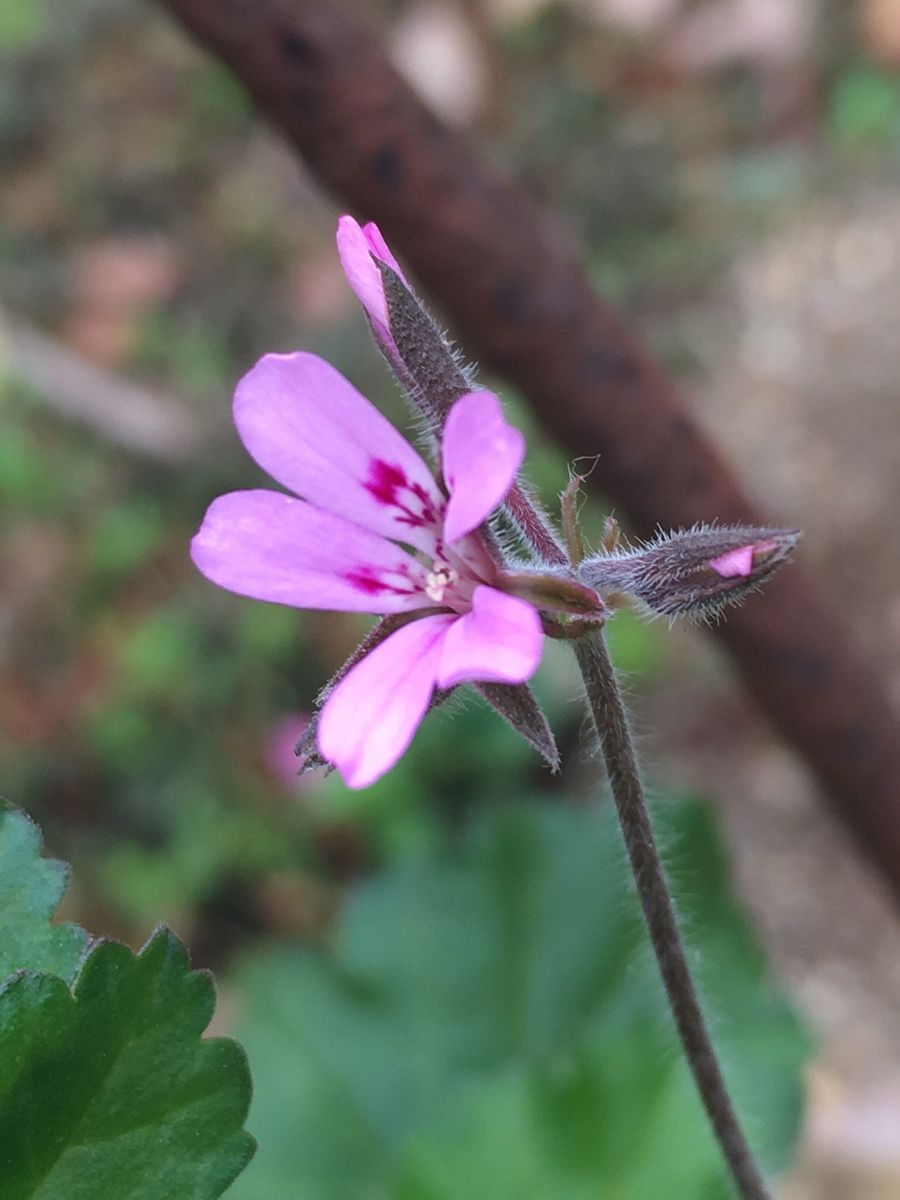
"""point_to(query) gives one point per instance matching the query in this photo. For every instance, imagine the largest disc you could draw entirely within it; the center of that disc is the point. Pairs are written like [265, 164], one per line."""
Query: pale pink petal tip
[381, 249]
[482, 454]
[734, 563]
[362, 273]
[371, 716]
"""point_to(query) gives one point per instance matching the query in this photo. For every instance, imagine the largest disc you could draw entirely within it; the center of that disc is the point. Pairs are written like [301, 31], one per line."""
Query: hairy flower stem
[611, 720]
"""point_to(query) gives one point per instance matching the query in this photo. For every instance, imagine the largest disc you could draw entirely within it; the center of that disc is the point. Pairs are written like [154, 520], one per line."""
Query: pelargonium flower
[370, 529]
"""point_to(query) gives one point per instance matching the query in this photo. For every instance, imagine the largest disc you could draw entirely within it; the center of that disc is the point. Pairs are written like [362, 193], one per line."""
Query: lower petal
[499, 641]
[369, 719]
[275, 547]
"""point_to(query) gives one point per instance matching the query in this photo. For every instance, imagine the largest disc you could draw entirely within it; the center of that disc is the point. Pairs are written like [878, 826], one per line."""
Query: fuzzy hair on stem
[439, 377]
[612, 728]
[692, 572]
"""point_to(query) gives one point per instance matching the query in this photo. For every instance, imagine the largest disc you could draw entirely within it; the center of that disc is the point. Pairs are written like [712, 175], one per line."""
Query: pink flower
[374, 533]
[361, 248]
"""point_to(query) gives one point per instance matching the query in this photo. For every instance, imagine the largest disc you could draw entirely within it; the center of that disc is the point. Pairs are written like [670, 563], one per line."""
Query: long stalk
[611, 720]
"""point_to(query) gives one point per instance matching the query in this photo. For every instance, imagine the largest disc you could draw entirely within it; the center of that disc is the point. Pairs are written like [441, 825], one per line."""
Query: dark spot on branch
[605, 363]
[309, 101]
[300, 50]
[510, 299]
[387, 166]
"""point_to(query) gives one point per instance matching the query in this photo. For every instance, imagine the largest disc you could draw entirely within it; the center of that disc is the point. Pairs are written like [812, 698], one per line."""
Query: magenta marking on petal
[735, 563]
[421, 494]
[371, 583]
[367, 582]
[387, 484]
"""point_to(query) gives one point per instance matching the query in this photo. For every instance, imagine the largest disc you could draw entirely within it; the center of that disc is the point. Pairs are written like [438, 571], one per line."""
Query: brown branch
[505, 273]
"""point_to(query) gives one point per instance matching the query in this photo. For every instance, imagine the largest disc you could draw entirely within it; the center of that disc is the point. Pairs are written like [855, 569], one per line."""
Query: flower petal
[278, 548]
[481, 457]
[499, 641]
[316, 434]
[381, 249]
[356, 245]
[370, 718]
[733, 563]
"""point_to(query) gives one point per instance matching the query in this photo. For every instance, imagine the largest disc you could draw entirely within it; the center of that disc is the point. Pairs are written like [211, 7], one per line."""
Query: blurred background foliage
[440, 981]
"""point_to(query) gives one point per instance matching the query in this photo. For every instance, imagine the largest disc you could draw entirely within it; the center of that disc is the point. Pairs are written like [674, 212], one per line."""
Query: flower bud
[418, 353]
[430, 370]
[694, 572]
[362, 251]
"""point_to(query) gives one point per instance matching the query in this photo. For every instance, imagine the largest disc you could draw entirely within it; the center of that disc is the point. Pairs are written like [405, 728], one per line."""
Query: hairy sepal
[693, 572]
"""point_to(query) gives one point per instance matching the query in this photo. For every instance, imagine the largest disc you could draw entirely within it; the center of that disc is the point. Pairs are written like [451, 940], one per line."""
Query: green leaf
[122, 1096]
[124, 537]
[637, 645]
[865, 105]
[572, 1130]
[338, 1084]
[490, 1023]
[20, 24]
[31, 888]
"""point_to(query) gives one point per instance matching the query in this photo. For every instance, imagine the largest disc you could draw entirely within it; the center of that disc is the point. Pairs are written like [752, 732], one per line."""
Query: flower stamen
[441, 577]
